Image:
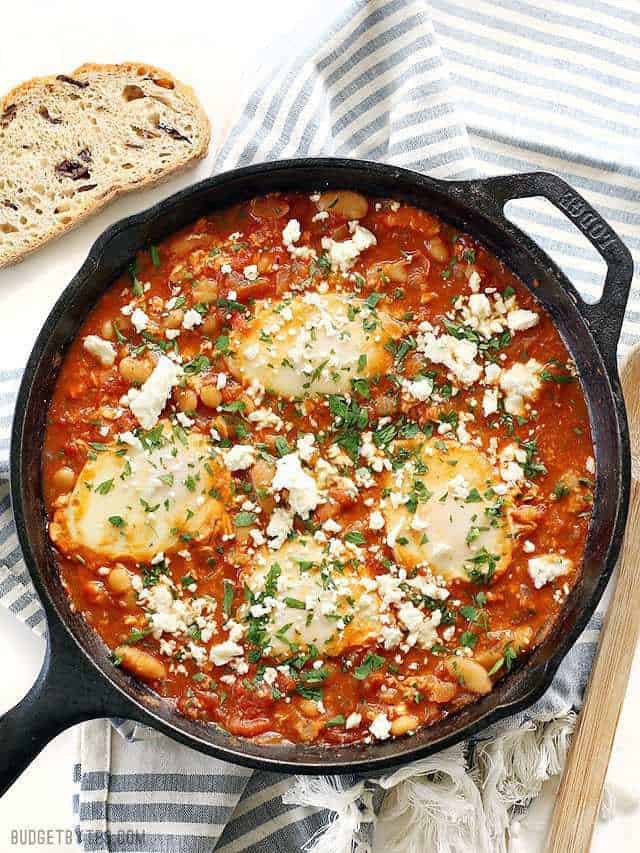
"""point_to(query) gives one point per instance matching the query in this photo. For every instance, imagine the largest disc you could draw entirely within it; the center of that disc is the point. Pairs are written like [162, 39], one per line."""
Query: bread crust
[118, 185]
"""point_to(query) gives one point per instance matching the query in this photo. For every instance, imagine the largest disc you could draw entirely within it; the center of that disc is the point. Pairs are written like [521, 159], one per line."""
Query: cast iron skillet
[77, 682]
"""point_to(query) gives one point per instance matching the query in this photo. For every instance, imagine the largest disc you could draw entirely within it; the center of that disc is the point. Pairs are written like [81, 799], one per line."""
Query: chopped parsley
[312, 693]
[468, 639]
[509, 655]
[350, 420]
[370, 664]
[197, 365]
[482, 566]
[222, 343]
[561, 490]
[136, 635]
[532, 466]
[227, 598]
[281, 446]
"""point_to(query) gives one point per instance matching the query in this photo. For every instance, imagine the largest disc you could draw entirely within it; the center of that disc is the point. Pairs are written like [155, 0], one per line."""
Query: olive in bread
[71, 143]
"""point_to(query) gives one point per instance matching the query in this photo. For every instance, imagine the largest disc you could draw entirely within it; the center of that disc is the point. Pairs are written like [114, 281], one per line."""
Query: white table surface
[215, 47]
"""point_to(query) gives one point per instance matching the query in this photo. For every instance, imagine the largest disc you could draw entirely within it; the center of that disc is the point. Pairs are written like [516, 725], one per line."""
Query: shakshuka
[318, 469]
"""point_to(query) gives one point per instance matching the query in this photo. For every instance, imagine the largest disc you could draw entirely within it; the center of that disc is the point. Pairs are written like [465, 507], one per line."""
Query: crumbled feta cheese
[305, 446]
[102, 350]
[270, 675]
[547, 568]
[279, 527]
[459, 487]
[172, 615]
[427, 634]
[528, 547]
[449, 633]
[492, 373]
[391, 636]
[239, 457]
[418, 389]
[380, 728]
[520, 382]
[303, 490]
[457, 355]
[147, 403]
[479, 305]
[376, 520]
[519, 320]
[462, 433]
[343, 255]
[235, 629]
[291, 233]
[375, 457]
[191, 319]
[353, 721]
[490, 402]
[222, 653]
[257, 537]
[225, 269]
[251, 272]
[172, 334]
[590, 465]
[474, 281]
[266, 418]
[410, 616]
[511, 459]
[139, 320]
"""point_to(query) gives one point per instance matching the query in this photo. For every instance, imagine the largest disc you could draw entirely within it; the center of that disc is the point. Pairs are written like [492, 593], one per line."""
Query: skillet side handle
[606, 316]
[67, 691]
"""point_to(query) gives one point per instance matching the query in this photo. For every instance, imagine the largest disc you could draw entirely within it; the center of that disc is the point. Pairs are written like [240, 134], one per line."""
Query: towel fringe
[432, 805]
[351, 809]
[443, 804]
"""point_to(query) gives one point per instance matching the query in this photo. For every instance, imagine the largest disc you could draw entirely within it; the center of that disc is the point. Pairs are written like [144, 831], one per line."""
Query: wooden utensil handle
[578, 800]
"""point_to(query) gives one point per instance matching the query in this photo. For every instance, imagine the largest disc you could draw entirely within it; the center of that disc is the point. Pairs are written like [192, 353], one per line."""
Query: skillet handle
[606, 316]
[67, 691]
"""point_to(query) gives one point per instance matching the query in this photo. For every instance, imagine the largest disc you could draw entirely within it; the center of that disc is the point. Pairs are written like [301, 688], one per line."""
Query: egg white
[457, 522]
[133, 502]
[313, 344]
[339, 611]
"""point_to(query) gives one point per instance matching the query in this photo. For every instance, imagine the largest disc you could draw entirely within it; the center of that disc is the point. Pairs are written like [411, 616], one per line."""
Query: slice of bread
[69, 144]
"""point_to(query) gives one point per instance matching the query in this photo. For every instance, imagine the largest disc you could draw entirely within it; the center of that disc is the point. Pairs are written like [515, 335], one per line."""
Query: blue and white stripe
[456, 88]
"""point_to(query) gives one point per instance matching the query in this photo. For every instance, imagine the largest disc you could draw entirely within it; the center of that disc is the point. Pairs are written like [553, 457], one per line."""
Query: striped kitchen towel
[456, 88]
